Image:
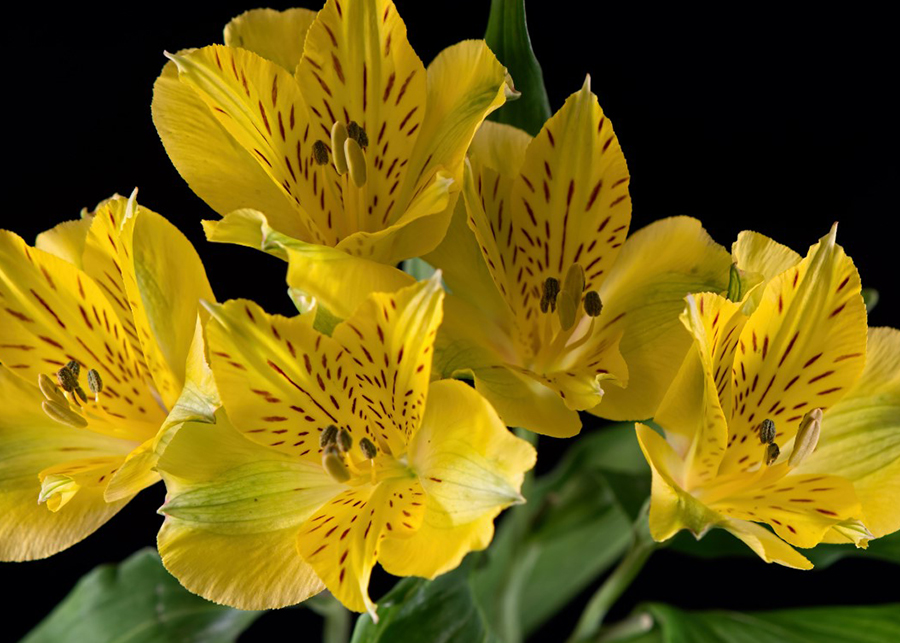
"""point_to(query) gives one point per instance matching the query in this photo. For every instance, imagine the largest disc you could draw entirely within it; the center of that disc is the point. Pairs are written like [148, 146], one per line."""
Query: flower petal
[861, 435]
[801, 349]
[761, 259]
[767, 545]
[275, 35]
[232, 517]
[65, 240]
[644, 291]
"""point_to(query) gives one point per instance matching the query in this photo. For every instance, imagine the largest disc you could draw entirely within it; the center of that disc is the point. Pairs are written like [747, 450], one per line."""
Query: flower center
[370, 465]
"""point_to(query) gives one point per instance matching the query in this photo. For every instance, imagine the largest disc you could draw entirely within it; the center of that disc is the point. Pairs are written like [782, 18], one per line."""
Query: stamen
[338, 136]
[344, 440]
[334, 466]
[368, 448]
[329, 435]
[570, 297]
[767, 431]
[356, 161]
[67, 379]
[358, 134]
[772, 453]
[63, 414]
[80, 393]
[734, 283]
[320, 153]
[94, 383]
[548, 297]
[75, 367]
[51, 391]
[807, 437]
[592, 304]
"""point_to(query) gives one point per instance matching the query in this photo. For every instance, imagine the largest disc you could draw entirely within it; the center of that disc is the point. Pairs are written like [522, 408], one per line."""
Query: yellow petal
[232, 517]
[658, 266]
[860, 437]
[671, 508]
[802, 348]
[358, 66]
[767, 545]
[52, 313]
[31, 443]
[471, 468]
[691, 412]
[215, 165]
[760, 259]
[60, 482]
[65, 240]
[282, 382]
[275, 35]
[390, 339]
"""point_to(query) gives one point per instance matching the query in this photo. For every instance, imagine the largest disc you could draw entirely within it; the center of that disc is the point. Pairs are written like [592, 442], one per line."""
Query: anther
[338, 136]
[75, 367]
[329, 435]
[67, 380]
[592, 304]
[50, 390]
[734, 283]
[344, 440]
[772, 453]
[358, 134]
[548, 297]
[320, 153]
[63, 414]
[368, 448]
[80, 393]
[334, 466]
[356, 162]
[807, 437]
[95, 384]
[767, 431]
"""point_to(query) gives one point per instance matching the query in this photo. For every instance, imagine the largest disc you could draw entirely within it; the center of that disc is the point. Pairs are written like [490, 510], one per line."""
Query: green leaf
[507, 36]
[417, 610]
[867, 624]
[138, 601]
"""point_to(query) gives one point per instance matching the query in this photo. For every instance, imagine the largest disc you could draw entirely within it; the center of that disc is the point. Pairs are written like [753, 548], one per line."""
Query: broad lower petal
[767, 545]
[65, 240]
[275, 35]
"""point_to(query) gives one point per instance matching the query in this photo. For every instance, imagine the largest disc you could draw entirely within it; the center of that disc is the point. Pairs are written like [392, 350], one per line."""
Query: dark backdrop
[763, 119]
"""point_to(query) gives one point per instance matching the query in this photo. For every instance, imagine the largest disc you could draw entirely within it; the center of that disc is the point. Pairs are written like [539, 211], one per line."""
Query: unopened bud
[94, 382]
[592, 304]
[368, 448]
[334, 466]
[320, 153]
[51, 391]
[329, 435]
[338, 136]
[75, 367]
[356, 162]
[67, 380]
[767, 431]
[772, 453]
[344, 440]
[63, 414]
[734, 283]
[807, 437]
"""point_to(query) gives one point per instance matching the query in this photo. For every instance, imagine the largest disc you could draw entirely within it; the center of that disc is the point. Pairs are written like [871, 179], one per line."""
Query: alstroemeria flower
[111, 300]
[768, 379]
[359, 148]
[336, 452]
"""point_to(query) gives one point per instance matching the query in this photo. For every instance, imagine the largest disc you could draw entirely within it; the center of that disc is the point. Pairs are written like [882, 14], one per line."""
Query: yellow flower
[768, 380]
[358, 149]
[110, 304]
[341, 454]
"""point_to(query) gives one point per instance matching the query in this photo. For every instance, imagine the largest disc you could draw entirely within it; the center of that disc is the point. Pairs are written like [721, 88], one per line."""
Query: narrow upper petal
[760, 259]
[66, 240]
[275, 35]
[802, 348]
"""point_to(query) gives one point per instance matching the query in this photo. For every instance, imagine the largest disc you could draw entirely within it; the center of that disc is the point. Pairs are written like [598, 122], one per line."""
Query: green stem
[337, 624]
[617, 582]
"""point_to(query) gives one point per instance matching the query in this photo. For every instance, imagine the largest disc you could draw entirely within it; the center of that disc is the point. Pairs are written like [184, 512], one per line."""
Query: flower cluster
[299, 452]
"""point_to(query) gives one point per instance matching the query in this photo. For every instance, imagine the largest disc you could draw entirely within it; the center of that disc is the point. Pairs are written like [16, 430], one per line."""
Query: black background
[768, 120]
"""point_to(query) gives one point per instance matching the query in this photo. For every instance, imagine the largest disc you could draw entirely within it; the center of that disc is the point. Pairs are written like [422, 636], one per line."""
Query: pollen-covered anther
[50, 390]
[569, 298]
[320, 153]
[356, 162]
[358, 134]
[772, 453]
[807, 437]
[95, 384]
[329, 435]
[368, 448]
[592, 304]
[344, 440]
[767, 431]
[67, 379]
[338, 136]
[734, 283]
[75, 367]
[63, 414]
[548, 297]
[333, 463]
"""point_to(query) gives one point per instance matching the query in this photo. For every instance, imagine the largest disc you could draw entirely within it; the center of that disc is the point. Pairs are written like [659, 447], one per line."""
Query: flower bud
[734, 283]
